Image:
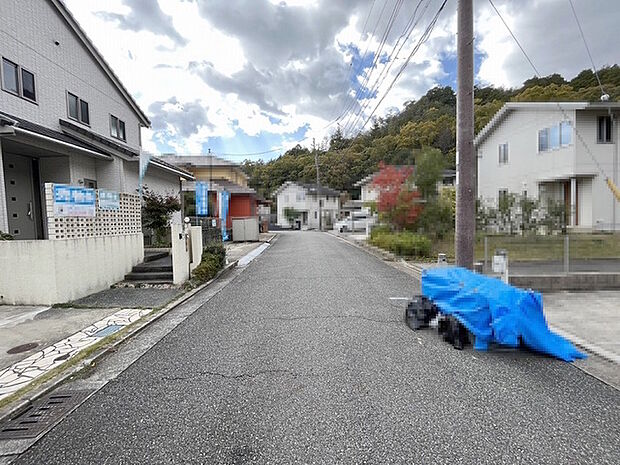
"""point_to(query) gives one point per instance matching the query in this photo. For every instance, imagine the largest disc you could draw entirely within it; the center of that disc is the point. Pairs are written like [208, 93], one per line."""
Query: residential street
[303, 358]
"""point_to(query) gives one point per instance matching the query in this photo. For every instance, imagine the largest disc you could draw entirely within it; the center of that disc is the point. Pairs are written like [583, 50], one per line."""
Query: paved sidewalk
[592, 317]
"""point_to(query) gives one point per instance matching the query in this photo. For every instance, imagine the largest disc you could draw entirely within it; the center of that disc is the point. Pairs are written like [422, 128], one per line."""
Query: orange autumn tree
[398, 203]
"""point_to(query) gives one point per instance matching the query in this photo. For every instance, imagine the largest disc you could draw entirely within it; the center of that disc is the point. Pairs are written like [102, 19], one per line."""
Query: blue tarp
[494, 311]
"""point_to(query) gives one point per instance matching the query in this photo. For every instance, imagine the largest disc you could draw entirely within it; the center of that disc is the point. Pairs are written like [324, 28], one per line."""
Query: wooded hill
[427, 122]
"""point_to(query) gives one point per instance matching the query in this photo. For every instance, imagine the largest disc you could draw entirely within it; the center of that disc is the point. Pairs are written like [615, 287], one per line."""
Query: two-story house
[303, 203]
[562, 152]
[65, 117]
[70, 153]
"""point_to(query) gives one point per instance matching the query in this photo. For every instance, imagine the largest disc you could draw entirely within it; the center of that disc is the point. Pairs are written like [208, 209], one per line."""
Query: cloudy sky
[247, 76]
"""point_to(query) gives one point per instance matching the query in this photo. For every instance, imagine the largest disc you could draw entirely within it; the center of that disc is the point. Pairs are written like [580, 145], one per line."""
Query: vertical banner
[145, 158]
[224, 198]
[202, 198]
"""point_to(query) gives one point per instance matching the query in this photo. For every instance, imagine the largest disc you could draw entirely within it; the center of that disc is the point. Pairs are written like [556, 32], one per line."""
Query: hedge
[403, 243]
[213, 259]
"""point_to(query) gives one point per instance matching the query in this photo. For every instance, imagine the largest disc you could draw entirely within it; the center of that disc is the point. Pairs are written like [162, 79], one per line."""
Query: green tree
[428, 172]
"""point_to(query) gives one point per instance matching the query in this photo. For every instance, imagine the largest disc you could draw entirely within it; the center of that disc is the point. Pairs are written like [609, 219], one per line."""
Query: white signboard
[109, 200]
[70, 201]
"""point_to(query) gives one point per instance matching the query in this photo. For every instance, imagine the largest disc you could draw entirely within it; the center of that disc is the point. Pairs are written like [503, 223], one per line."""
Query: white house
[67, 120]
[305, 201]
[554, 151]
[370, 192]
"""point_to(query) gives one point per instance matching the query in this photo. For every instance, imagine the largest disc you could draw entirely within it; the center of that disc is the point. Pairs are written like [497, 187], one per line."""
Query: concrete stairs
[156, 269]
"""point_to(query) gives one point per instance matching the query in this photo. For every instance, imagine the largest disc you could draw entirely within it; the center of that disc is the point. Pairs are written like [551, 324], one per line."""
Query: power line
[564, 114]
[377, 54]
[587, 48]
[349, 105]
[351, 67]
[422, 40]
[409, 28]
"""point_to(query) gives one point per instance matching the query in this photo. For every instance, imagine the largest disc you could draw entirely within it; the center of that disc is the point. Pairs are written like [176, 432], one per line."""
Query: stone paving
[21, 373]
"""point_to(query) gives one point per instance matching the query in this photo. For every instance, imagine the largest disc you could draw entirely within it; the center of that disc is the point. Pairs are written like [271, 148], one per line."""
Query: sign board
[109, 200]
[70, 201]
[499, 263]
[202, 198]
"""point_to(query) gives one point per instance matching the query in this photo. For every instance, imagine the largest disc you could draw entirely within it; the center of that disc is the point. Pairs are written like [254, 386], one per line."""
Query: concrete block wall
[49, 272]
[126, 220]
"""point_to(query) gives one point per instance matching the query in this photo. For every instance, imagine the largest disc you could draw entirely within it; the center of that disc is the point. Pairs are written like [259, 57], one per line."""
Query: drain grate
[42, 415]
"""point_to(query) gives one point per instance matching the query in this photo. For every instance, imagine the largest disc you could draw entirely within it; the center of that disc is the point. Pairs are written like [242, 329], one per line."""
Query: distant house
[370, 193]
[553, 151]
[221, 175]
[302, 203]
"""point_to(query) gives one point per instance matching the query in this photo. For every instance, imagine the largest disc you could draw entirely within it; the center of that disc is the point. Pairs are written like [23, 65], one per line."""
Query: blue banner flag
[202, 198]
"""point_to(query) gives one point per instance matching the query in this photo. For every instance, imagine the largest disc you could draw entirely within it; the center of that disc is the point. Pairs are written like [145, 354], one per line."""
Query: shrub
[213, 259]
[216, 249]
[380, 229]
[5, 236]
[403, 243]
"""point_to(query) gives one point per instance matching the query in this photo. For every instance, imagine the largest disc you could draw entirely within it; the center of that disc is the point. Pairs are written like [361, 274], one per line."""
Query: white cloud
[273, 67]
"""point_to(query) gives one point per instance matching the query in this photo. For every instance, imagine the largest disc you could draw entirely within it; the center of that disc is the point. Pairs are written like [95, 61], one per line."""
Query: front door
[20, 197]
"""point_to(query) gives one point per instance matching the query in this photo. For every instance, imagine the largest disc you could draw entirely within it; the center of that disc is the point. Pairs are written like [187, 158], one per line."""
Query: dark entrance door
[18, 179]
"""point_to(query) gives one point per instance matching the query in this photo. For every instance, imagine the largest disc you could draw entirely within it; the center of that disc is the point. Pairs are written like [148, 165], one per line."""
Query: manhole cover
[22, 348]
[42, 415]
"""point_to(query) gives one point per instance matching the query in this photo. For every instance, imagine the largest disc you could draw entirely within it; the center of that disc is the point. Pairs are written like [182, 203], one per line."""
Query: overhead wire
[345, 90]
[587, 48]
[351, 102]
[564, 114]
[423, 39]
[377, 54]
[404, 37]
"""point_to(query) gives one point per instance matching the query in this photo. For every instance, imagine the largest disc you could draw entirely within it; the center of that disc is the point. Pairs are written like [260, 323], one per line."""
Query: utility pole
[318, 182]
[465, 158]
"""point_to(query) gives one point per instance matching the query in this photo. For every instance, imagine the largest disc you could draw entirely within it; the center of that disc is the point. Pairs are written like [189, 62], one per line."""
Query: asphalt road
[303, 359]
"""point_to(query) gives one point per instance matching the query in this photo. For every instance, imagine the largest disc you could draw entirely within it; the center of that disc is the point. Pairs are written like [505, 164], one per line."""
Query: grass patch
[532, 248]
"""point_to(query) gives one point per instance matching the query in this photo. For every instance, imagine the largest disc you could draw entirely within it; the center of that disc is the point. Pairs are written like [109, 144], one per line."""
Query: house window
[18, 81]
[566, 133]
[78, 109]
[554, 137]
[503, 154]
[10, 72]
[543, 140]
[117, 128]
[316, 215]
[604, 130]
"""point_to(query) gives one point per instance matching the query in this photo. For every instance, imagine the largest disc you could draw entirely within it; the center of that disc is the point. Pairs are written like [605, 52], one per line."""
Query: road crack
[330, 317]
[240, 376]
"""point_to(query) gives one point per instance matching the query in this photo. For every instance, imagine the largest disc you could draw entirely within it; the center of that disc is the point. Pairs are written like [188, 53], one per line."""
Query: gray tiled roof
[203, 161]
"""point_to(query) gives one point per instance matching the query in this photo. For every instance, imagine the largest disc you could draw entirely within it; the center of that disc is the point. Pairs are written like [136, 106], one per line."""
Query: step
[144, 268]
[156, 276]
[152, 256]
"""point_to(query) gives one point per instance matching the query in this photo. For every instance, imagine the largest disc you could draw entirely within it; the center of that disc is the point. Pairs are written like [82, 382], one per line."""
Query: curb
[51, 384]
[587, 346]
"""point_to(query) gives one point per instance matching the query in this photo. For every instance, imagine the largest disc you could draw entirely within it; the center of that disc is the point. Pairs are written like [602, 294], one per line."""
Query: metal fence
[570, 253]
